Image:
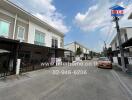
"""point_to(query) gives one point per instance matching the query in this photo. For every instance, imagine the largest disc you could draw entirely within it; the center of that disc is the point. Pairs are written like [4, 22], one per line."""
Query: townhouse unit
[126, 36]
[18, 24]
[24, 36]
[74, 46]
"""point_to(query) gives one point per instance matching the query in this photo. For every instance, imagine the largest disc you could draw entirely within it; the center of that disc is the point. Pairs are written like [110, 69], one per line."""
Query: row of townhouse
[126, 39]
[125, 36]
[74, 46]
[24, 36]
[18, 24]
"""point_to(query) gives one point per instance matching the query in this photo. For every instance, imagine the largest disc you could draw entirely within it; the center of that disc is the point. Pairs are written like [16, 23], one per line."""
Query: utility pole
[105, 49]
[116, 19]
[118, 11]
[105, 45]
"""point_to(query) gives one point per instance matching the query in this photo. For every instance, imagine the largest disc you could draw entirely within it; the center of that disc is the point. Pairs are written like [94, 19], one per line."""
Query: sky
[88, 22]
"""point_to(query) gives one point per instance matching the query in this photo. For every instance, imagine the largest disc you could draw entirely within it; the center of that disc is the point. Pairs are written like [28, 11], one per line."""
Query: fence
[117, 60]
[6, 65]
[32, 67]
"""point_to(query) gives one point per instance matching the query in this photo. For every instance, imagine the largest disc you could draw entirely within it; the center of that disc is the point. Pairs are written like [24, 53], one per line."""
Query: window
[21, 32]
[54, 43]
[4, 28]
[39, 38]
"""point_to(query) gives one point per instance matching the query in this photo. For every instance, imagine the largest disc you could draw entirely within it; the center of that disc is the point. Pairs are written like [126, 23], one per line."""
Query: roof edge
[31, 15]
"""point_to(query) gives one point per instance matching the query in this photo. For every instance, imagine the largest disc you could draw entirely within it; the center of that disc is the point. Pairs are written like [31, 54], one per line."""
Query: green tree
[91, 54]
[78, 51]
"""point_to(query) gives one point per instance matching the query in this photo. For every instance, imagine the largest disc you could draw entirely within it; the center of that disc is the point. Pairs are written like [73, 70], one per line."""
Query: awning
[118, 51]
[128, 43]
[4, 51]
[7, 40]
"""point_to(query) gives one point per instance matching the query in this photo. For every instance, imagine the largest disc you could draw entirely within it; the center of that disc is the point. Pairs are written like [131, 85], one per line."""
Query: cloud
[96, 17]
[45, 10]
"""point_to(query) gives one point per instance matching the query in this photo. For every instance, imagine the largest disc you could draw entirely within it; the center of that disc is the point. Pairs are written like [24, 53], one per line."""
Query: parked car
[104, 62]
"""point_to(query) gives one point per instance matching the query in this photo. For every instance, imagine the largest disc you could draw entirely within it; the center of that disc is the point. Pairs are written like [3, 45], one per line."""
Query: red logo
[117, 12]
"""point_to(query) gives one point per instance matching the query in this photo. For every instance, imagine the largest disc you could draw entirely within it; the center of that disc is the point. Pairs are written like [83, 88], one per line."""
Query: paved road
[64, 83]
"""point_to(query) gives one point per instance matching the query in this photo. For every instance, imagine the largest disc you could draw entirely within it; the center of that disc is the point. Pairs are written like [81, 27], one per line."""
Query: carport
[128, 43]
[8, 56]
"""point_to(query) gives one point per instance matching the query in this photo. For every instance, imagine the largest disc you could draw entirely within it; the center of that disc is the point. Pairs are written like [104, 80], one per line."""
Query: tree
[109, 53]
[91, 54]
[78, 51]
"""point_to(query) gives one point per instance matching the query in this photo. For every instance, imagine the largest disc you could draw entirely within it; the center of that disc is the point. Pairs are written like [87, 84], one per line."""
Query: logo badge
[117, 11]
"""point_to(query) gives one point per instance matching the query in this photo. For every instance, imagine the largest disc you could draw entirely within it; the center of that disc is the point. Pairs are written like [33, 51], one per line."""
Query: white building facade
[74, 46]
[18, 24]
[126, 35]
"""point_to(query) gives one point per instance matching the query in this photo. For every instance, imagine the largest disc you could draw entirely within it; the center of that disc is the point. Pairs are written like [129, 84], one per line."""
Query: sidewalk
[13, 79]
[125, 79]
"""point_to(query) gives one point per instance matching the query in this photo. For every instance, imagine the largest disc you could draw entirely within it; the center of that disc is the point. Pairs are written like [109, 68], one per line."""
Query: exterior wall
[129, 33]
[122, 32]
[88, 51]
[85, 50]
[115, 60]
[48, 35]
[30, 27]
[73, 47]
[70, 47]
[128, 54]
[113, 46]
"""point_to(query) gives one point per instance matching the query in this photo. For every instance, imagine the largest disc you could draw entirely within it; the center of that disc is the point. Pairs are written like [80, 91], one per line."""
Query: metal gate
[6, 65]
[8, 56]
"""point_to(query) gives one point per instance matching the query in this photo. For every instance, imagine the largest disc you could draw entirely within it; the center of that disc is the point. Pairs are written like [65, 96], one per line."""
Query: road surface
[64, 83]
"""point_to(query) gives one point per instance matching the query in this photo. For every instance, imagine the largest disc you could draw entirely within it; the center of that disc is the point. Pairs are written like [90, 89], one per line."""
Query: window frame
[3, 20]
[40, 34]
[19, 26]
[54, 42]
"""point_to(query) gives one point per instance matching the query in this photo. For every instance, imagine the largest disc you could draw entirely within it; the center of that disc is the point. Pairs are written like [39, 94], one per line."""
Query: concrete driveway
[64, 83]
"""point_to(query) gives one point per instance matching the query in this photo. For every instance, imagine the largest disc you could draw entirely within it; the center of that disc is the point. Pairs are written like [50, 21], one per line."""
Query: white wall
[129, 33]
[70, 47]
[115, 60]
[113, 46]
[48, 35]
[73, 45]
[85, 50]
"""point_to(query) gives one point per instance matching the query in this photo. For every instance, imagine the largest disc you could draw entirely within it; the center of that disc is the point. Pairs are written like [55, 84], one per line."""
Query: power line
[108, 34]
